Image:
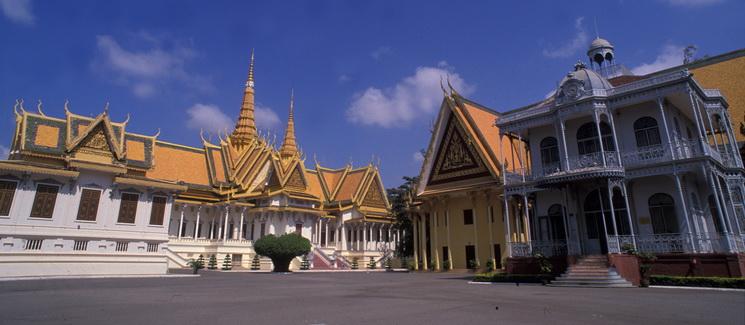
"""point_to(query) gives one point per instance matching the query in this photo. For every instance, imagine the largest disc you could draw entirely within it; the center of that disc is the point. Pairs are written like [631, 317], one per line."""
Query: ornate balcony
[545, 248]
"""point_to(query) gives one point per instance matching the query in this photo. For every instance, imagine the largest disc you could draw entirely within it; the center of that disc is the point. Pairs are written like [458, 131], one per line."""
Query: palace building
[610, 162]
[82, 196]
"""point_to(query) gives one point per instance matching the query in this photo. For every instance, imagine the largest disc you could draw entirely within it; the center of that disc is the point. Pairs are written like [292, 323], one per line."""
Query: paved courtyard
[351, 298]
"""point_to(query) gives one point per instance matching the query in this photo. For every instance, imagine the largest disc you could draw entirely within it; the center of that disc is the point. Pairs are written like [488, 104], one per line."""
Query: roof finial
[106, 108]
[157, 133]
[452, 90]
[445, 92]
[126, 120]
[67, 106]
[20, 104]
[250, 82]
[38, 108]
[289, 145]
[15, 107]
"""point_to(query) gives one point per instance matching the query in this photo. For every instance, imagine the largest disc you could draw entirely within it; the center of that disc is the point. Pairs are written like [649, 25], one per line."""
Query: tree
[227, 263]
[282, 249]
[400, 198]
[212, 265]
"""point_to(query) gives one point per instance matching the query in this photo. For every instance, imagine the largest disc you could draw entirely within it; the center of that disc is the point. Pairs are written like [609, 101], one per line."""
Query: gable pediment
[375, 196]
[456, 157]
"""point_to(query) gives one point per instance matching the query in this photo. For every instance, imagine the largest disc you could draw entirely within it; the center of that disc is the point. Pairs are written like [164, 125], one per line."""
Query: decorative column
[720, 214]
[602, 215]
[240, 227]
[196, 227]
[613, 214]
[326, 242]
[225, 225]
[181, 222]
[212, 229]
[727, 216]
[508, 233]
[732, 140]
[489, 217]
[526, 221]
[681, 196]
[343, 232]
[570, 246]
[661, 106]
[415, 237]
[596, 118]
[628, 214]
[615, 138]
[423, 244]
[699, 122]
[564, 143]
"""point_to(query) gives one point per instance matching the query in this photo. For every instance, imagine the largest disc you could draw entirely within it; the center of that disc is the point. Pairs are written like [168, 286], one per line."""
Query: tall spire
[245, 127]
[289, 146]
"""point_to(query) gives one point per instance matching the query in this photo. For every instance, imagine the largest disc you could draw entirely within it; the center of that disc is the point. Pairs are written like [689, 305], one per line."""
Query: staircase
[320, 260]
[591, 271]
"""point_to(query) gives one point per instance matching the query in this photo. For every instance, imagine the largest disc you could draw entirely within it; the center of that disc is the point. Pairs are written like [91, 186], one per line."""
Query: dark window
[549, 151]
[88, 208]
[471, 262]
[128, 208]
[647, 132]
[158, 210]
[445, 255]
[7, 192]
[263, 230]
[556, 218]
[714, 210]
[497, 256]
[587, 138]
[468, 217]
[662, 211]
[46, 196]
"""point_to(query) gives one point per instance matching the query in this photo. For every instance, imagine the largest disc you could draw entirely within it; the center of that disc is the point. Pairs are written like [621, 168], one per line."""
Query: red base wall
[724, 265]
[529, 265]
[627, 267]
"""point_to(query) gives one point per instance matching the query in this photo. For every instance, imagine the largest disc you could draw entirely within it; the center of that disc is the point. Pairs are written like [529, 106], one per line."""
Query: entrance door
[595, 233]
[470, 256]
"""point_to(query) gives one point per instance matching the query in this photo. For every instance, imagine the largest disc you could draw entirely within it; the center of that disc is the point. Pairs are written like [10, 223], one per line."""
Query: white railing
[646, 155]
[681, 74]
[549, 248]
[550, 169]
[594, 159]
[664, 243]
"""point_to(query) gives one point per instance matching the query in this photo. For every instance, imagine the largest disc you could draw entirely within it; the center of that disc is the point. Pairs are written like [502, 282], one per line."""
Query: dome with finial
[601, 52]
[580, 83]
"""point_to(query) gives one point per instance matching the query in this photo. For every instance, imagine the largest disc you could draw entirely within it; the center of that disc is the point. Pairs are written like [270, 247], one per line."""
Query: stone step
[593, 285]
[589, 280]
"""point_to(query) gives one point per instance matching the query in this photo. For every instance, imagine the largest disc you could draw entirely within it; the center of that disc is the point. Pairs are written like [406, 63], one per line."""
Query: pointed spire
[289, 146]
[245, 127]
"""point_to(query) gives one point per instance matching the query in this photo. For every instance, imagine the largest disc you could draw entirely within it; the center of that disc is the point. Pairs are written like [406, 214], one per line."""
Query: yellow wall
[462, 235]
[729, 77]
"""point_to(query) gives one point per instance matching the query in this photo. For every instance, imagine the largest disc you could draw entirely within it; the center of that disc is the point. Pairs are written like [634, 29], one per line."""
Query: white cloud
[418, 157]
[344, 78]
[692, 3]
[412, 97]
[4, 152]
[18, 11]
[266, 118]
[381, 52]
[148, 70]
[570, 47]
[670, 56]
[208, 118]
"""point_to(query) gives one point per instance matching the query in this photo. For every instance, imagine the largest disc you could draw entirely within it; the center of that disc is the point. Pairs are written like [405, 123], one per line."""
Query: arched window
[647, 132]
[587, 138]
[549, 151]
[662, 211]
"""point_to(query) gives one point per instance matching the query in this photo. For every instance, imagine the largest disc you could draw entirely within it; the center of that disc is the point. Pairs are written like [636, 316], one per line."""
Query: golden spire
[289, 146]
[245, 127]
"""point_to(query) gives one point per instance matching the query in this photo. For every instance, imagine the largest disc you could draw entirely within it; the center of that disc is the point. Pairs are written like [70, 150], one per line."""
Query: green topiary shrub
[446, 265]
[355, 265]
[371, 265]
[212, 265]
[256, 263]
[388, 264]
[282, 249]
[490, 265]
[517, 278]
[698, 281]
[227, 263]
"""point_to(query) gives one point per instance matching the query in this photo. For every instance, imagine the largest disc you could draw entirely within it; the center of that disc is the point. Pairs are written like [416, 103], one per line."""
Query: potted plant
[355, 265]
[473, 265]
[371, 265]
[645, 265]
[490, 265]
[282, 250]
[388, 264]
[195, 265]
[545, 268]
[446, 265]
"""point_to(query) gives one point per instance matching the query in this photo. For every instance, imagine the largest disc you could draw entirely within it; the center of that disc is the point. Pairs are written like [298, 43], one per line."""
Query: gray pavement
[351, 298]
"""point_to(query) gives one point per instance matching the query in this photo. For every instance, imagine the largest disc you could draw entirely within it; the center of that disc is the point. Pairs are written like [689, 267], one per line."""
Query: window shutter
[128, 208]
[89, 204]
[44, 200]
[158, 210]
[7, 191]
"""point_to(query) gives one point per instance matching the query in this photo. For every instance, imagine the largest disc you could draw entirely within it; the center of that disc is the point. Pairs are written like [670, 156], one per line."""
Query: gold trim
[148, 183]
[7, 165]
[98, 167]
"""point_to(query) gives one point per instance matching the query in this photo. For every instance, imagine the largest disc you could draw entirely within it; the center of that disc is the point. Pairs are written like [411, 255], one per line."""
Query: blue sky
[365, 74]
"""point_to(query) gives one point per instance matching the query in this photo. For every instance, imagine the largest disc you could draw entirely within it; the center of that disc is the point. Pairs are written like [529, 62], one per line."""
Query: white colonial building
[643, 162]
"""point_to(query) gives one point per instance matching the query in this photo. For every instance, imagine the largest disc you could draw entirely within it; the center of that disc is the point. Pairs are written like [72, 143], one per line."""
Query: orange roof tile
[331, 177]
[314, 184]
[350, 184]
[174, 163]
